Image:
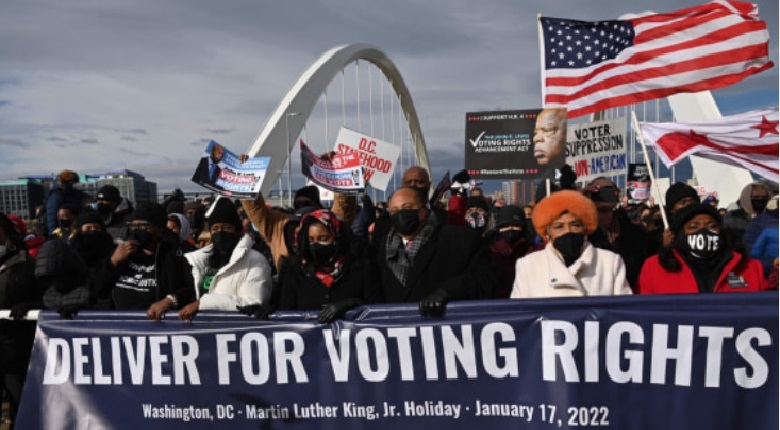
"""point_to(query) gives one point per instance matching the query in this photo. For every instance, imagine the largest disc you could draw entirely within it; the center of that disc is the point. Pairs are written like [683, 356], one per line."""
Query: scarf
[400, 257]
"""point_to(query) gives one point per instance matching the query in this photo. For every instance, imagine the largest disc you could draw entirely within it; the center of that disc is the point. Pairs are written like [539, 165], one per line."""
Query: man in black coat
[422, 259]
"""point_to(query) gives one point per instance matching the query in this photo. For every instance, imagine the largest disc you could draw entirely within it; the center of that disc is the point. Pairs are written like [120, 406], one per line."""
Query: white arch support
[303, 96]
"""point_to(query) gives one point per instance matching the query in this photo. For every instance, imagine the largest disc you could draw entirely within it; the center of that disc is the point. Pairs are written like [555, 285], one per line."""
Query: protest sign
[377, 157]
[499, 145]
[341, 173]
[597, 148]
[638, 183]
[221, 170]
[671, 362]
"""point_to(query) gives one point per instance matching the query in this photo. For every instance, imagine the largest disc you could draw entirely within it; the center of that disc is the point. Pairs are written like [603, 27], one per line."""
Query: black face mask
[65, 223]
[406, 221]
[759, 205]
[90, 238]
[510, 236]
[570, 246]
[225, 242]
[143, 237]
[703, 244]
[322, 254]
[104, 209]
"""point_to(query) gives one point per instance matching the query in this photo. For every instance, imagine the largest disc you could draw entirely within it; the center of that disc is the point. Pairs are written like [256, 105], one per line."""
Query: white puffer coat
[245, 280]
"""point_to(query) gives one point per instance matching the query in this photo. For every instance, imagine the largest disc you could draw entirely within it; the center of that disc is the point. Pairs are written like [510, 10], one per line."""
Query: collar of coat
[566, 277]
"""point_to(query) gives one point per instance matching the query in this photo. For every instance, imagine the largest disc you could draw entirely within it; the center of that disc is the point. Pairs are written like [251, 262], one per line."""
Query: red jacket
[737, 276]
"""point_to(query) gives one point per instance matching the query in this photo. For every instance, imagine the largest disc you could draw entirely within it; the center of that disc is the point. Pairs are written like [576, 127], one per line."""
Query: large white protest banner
[377, 157]
[597, 148]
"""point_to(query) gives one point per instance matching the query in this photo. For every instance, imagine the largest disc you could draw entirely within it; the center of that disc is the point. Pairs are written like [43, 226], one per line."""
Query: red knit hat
[559, 202]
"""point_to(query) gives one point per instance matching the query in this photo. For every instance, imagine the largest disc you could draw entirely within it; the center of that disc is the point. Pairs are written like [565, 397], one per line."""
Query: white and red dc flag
[748, 140]
[592, 66]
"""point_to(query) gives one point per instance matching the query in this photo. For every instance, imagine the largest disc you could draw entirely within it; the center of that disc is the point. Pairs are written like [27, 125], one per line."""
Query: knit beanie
[224, 212]
[477, 202]
[153, 213]
[109, 193]
[687, 213]
[510, 215]
[310, 192]
[677, 192]
[68, 177]
[90, 217]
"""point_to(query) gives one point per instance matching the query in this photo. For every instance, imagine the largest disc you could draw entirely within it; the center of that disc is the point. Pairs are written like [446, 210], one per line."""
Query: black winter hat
[510, 215]
[90, 217]
[677, 192]
[175, 207]
[109, 193]
[310, 192]
[224, 212]
[687, 213]
[153, 213]
[477, 202]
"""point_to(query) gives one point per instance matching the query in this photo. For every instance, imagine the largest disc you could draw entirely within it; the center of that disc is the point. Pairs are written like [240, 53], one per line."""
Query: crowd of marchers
[181, 257]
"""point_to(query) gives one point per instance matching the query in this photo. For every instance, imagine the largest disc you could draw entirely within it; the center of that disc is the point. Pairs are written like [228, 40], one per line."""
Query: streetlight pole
[289, 155]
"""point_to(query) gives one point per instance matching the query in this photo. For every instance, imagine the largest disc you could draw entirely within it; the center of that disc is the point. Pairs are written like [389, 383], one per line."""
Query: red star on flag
[766, 127]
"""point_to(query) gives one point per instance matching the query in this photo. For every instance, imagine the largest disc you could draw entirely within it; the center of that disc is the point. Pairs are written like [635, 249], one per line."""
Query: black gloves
[68, 311]
[462, 177]
[259, 311]
[568, 178]
[19, 310]
[434, 304]
[332, 311]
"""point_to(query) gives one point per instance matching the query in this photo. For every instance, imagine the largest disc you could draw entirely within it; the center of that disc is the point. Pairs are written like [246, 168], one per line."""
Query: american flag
[592, 66]
[748, 140]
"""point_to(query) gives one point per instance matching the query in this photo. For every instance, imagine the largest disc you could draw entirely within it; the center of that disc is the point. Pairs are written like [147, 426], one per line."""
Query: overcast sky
[142, 84]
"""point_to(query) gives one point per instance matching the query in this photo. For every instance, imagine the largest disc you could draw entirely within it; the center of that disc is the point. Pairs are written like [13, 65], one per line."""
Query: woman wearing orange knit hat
[568, 266]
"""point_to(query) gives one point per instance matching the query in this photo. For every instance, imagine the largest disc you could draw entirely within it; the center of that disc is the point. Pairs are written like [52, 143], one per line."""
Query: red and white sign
[377, 157]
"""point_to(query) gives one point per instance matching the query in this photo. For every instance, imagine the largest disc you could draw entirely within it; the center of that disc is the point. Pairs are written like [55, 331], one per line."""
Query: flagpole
[540, 39]
[638, 132]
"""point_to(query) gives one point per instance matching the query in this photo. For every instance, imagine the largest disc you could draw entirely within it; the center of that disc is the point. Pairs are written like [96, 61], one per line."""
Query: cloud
[9, 141]
[219, 130]
[66, 81]
[136, 153]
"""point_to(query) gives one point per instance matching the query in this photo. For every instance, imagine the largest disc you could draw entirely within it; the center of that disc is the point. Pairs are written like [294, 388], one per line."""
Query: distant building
[518, 192]
[131, 185]
[21, 197]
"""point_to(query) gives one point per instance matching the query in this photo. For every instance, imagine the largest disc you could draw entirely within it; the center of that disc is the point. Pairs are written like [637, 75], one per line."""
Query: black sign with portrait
[519, 144]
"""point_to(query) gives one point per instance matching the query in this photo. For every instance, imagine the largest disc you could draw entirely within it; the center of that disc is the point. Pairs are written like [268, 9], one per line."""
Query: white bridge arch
[302, 98]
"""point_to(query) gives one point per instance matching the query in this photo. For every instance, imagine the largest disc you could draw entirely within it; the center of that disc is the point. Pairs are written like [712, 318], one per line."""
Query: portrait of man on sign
[550, 139]
[208, 169]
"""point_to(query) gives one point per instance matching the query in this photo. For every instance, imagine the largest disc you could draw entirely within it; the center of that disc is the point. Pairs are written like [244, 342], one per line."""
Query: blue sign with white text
[650, 362]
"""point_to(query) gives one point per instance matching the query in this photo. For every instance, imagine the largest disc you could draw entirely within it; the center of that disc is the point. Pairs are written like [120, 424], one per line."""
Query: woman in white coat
[228, 272]
[568, 266]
